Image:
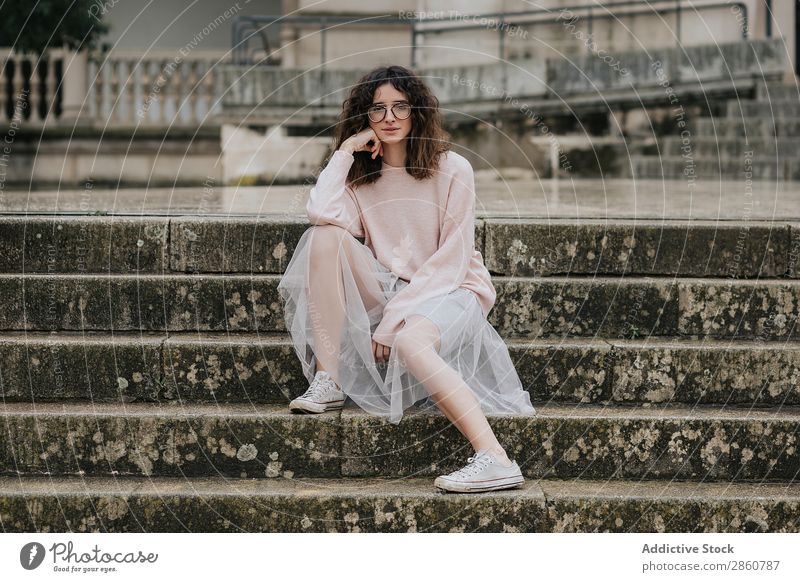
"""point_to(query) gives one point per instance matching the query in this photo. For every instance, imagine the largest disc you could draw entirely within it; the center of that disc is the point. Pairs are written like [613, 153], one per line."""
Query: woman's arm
[447, 268]
[330, 200]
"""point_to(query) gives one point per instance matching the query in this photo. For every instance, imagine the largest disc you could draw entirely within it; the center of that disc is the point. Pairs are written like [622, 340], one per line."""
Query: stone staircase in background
[759, 135]
[145, 372]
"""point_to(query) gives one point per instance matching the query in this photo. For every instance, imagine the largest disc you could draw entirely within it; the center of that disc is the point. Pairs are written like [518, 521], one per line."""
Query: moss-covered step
[265, 441]
[219, 367]
[262, 244]
[237, 441]
[588, 442]
[83, 244]
[636, 307]
[139, 302]
[582, 506]
[147, 244]
[530, 307]
[213, 504]
[90, 366]
[688, 248]
[510, 246]
[97, 504]
[234, 244]
[264, 368]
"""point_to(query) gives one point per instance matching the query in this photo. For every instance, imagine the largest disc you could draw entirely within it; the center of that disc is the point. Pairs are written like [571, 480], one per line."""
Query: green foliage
[249, 180]
[36, 26]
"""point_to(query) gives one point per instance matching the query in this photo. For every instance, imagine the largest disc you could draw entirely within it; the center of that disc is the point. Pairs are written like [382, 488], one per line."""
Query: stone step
[727, 147]
[152, 244]
[84, 244]
[257, 441]
[778, 109]
[770, 92]
[213, 504]
[526, 307]
[590, 442]
[263, 369]
[761, 167]
[755, 128]
[516, 246]
[696, 248]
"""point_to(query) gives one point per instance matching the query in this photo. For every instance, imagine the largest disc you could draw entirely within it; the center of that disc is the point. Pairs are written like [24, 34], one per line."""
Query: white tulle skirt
[469, 343]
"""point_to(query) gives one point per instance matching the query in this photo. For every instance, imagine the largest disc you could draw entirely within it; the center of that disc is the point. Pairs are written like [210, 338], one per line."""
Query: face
[386, 95]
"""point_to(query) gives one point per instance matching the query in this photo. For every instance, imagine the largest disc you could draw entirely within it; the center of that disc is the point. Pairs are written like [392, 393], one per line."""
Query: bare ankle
[500, 454]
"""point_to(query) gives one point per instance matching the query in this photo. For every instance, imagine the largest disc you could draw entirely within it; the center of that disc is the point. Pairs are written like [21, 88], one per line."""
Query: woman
[400, 319]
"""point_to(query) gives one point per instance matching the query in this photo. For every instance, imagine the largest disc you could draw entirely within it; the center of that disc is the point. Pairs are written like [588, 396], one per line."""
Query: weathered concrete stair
[754, 128]
[240, 367]
[146, 371]
[716, 148]
[215, 504]
[527, 307]
[729, 147]
[760, 166]
[773, 108]
[516, 246]
[256, 441]
[777, 91]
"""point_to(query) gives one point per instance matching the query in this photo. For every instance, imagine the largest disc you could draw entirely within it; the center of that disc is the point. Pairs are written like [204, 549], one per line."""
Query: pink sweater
[421, 230]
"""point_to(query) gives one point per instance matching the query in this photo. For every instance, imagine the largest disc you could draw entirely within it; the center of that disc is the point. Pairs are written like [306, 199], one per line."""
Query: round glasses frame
[374, 111]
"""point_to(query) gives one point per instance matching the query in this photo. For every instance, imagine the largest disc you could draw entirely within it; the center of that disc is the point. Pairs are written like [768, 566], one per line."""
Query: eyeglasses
[400, 110]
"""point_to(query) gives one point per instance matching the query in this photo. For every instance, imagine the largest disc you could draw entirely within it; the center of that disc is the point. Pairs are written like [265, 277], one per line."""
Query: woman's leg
[417, 345]
[332, 246]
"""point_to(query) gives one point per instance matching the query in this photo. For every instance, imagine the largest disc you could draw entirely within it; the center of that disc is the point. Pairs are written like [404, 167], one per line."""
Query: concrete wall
[252, 156]
[545, 39]
[132, 29]
[148, 157]
[144, 25]
[345, 48]
[783, 26]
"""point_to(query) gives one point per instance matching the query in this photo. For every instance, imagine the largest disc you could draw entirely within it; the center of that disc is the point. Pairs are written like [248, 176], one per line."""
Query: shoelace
[475, 464]
[318, 385]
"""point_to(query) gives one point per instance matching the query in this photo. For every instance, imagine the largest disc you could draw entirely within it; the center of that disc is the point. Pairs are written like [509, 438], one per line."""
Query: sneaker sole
[455, 487]
[314, 408]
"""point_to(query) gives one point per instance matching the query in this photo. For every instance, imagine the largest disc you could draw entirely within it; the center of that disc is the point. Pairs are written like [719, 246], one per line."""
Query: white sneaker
[323, 394]
[483, 472]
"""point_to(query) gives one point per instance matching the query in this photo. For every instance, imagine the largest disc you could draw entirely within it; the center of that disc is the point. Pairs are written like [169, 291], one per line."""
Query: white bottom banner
[396, 557]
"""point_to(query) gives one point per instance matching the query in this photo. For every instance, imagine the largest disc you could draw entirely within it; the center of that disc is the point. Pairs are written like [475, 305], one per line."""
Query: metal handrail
[251, 25]
[526, 16]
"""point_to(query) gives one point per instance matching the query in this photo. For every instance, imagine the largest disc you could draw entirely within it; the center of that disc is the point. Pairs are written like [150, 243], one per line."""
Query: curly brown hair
[424, 144]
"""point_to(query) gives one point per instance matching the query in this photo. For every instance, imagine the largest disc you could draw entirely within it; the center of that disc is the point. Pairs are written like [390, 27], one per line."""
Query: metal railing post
[502, 42]
[591, 27]
[323, 41]
[413, 45]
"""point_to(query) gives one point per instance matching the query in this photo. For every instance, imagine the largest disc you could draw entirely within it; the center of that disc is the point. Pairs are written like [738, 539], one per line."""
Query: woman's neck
[395, 154]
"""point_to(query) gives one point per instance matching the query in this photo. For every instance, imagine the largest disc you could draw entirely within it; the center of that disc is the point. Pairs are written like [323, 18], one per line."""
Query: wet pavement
[585, 198]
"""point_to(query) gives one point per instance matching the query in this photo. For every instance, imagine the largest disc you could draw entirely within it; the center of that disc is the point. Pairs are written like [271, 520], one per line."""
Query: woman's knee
[327, 239]
[416, 336]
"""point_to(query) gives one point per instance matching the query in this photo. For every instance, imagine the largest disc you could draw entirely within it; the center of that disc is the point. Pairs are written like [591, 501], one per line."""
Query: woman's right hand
[364, 141]
[380, 352]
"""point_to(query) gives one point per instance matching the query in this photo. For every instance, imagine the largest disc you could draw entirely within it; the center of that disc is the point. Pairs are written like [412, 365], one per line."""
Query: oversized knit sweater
[421, 230]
